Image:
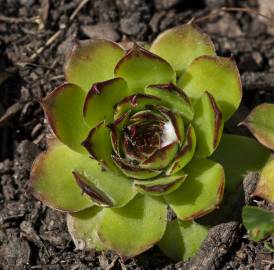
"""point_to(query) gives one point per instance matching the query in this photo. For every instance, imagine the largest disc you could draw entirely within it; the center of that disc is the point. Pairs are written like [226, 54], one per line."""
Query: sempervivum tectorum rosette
[133, 132]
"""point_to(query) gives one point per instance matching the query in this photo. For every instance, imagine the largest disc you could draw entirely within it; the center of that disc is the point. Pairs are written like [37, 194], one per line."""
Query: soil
[35, 37]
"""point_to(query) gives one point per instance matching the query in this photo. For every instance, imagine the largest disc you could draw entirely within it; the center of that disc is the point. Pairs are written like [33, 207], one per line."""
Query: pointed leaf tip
[134, 103]
[217, 75]
[260, 122]
[173, 97]
[181, 45]
[63, 109]
[92, 61]
[140, 68]
[101, 99]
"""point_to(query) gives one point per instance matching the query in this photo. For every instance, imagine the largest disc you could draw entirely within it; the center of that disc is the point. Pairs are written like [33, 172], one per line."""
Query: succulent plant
[260, 222]
[134, 133]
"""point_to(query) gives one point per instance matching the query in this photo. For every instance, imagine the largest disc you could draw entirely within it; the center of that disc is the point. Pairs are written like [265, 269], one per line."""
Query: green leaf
[51, 178]
[217, 75]
[99, 145]
[182, 239]
[239, 155]
[261, 124]
[98, 196]
[134, 103]
[265, 185]
[160, 186]
[208, 124]
[92, 61]
[173, 97]
[202, 191]
[134, 228]
[161, 158]
[100, 100]
[186, 152]
[181, 45]
[83, 227]
[258, 222]
[53, 182]
[134, 171]
[104, 188]
[63, 108]
[140, 68]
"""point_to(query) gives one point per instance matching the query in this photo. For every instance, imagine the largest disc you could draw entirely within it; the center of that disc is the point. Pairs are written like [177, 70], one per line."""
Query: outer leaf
[99, 146]
[63, 108]
[173, 97]
[202, 191]
[83, 226]
[160, 186]
[217, 75]
[182, 239]
[134, 228]
[101, 99]
[134, 103]
[52, 181]
[208, 124]
[181, 45]
[186, 152]
[261, 124]
[134, 171]
[237, 155]
[265, 185]
[258, 222]
[92, 61]
[58, 188]
[140, 68]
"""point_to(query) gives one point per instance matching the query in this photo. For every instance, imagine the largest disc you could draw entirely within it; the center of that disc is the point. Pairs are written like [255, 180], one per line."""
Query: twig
[215, 12]
[58, 77]
[59, 32]
[79, 7]
[48, 43]
[246, 10]
[10, 112]
[112, 264]
[18, 20]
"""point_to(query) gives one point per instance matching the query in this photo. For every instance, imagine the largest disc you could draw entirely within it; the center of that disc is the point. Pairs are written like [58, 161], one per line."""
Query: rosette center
[147, 132]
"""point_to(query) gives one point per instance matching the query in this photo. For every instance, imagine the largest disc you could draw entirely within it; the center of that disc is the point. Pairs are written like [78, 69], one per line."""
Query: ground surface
[35, 36]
